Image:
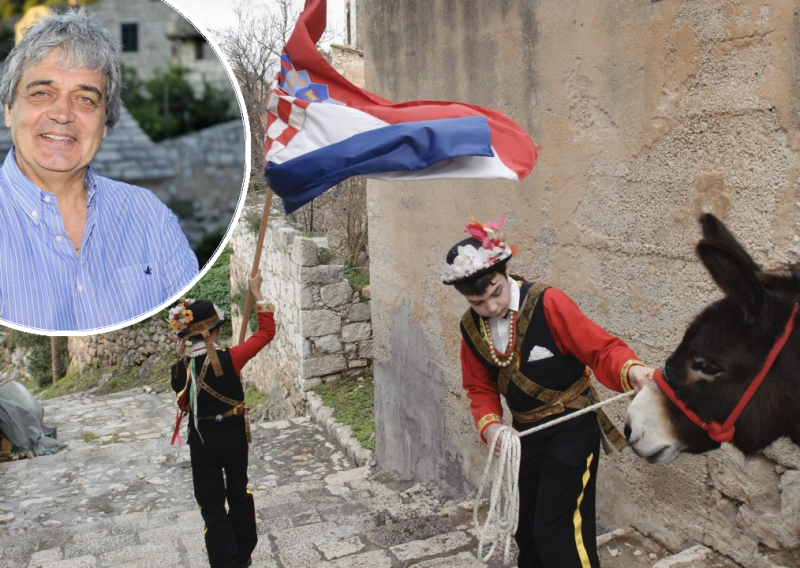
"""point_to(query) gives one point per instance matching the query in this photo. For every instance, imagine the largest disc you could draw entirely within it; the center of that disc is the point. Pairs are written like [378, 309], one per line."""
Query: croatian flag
[321, 129]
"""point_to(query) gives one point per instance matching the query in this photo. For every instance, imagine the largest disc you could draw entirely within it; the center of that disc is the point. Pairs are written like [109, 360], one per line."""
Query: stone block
[285, 236]
[328, 344]
[309, 384]
[316, 323]
[790, 501]
[305, 297]
[334, 295]
[352, 332]
[784, 452]
[365, 291]
[365, 349]
[768, 528]
[321, 366]
[752, 480]
[360, 312]
[326, 274]
[356, 363]
[429, 547]
[304, 251]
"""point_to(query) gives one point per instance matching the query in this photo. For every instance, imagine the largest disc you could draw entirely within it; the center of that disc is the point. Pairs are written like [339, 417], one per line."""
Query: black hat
[197, 317]
[476, 255]
[206, 316]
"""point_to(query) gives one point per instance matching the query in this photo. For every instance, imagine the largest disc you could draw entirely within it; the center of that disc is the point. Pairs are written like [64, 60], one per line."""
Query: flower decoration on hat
[180, 316]
[476, 255]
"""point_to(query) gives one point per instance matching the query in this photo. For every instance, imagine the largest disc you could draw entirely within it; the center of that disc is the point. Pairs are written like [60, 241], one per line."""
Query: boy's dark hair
[478, 285]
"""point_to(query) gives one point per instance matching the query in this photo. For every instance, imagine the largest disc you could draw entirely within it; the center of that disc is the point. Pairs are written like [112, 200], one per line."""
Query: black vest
[228, 384]
[571, 441]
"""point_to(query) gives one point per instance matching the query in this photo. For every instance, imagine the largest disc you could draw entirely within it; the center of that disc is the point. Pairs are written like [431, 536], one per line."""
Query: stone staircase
[120, 496]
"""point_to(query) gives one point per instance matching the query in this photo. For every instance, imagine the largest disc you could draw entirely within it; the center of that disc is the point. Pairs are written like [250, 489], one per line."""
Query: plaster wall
[648, 113]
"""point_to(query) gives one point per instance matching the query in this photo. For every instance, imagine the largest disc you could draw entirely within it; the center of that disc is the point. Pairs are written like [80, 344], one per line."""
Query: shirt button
[58, 238]
[34, 213]
[80, 287]
[47, 199]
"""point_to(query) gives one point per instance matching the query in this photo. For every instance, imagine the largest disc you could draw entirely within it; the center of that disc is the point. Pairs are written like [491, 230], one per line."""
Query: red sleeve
[243, 352]
[607, 356]
[481, 390]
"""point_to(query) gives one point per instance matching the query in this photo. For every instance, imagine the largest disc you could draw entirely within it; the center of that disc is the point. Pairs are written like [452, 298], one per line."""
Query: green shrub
[208, 246]
[166, 105]
[357, 276]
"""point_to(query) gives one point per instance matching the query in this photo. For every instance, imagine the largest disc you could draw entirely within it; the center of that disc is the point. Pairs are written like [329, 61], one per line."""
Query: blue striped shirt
[133, 255]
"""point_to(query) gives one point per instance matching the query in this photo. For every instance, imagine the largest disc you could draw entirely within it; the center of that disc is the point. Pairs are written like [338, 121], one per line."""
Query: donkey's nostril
[627, 433]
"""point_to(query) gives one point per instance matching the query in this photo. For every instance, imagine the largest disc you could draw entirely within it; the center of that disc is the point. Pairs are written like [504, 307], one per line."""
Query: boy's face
[493, 303]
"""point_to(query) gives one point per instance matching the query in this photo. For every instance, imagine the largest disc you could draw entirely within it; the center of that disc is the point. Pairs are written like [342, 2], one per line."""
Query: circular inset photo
[124, 163]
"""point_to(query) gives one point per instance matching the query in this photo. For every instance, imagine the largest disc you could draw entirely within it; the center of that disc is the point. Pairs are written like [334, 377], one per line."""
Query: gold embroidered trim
[623, 375]
[488, 419]
[265, 308]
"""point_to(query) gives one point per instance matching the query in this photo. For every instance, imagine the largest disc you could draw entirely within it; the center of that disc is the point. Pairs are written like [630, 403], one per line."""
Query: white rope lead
[503, 514]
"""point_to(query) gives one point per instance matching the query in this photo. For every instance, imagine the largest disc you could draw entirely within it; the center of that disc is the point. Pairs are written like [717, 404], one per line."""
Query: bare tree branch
[253, 48]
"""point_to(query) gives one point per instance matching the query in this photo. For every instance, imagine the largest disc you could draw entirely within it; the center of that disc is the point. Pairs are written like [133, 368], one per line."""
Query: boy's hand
[254, 284]
[489, 433]
[639, 376]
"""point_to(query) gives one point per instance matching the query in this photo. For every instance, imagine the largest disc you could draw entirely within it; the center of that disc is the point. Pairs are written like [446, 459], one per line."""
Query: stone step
[119, 495]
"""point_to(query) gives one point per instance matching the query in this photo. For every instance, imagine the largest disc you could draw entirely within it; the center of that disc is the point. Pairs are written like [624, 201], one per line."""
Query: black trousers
[557, 525]
[230, 534]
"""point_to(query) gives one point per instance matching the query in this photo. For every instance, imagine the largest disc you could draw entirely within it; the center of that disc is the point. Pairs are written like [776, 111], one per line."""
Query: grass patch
[70, 383]
[357, 276]
[89, 436]
[352, 401]
[120, 380]
[253, 398]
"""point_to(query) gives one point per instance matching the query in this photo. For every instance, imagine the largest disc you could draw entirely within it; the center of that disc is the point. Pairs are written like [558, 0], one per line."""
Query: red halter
[724, 432]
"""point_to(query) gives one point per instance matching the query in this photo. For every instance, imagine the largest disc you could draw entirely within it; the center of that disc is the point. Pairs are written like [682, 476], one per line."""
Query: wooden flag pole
[248, 304]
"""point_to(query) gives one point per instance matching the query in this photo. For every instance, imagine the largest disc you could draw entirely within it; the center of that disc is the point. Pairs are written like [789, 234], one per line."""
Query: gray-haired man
[77, 251]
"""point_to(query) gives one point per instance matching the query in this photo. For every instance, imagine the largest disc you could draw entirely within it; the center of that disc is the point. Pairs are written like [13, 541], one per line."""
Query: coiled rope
[503, 514]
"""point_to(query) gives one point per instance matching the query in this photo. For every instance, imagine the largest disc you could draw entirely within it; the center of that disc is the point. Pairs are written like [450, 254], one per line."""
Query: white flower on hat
[471, 260]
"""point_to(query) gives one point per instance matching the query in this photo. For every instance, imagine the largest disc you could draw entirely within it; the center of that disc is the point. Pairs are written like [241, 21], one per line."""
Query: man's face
[58, 119]
[494, 302]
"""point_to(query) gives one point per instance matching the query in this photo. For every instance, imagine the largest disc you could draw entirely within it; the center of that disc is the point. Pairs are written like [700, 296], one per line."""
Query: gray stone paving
[120, 496]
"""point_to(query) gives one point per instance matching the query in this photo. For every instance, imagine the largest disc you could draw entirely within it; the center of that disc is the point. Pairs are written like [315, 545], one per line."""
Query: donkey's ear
[715, 230]
[736, 275]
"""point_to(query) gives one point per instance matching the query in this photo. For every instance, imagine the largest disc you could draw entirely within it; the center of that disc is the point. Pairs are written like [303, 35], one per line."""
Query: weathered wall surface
[648, 114]
[323, 329]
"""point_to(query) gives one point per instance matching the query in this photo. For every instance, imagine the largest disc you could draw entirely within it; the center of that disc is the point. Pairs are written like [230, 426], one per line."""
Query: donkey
[711, 373]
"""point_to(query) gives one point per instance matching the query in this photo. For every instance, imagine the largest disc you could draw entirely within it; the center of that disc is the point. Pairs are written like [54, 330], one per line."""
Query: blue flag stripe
[398, 147]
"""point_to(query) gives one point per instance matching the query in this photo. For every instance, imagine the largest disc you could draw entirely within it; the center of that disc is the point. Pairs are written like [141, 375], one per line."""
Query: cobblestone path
[120, 496]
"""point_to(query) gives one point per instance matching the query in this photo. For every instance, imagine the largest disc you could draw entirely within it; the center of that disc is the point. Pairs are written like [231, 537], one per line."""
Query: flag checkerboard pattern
[285, 116]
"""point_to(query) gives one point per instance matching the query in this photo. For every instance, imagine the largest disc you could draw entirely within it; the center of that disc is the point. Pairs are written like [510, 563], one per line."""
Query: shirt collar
[199, 348]
[513, 304]
[30, 196]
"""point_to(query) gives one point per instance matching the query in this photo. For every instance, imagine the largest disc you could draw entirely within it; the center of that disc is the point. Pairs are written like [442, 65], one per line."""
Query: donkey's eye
[705, 367]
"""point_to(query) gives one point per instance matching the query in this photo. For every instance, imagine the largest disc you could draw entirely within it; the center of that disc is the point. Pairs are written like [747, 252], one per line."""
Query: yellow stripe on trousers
[577, 521]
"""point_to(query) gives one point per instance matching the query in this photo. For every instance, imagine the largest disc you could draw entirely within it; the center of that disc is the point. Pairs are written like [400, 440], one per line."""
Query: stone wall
[14, 361]
[323, 327]
[648, 113]
[130, 346]
[209, 172]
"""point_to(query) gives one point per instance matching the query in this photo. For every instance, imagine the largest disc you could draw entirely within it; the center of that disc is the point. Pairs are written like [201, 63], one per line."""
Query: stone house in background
[199, 175]
[151, 35]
